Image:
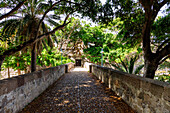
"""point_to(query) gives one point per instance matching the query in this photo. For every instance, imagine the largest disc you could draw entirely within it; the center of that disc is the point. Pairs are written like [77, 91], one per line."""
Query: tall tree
[61, 7]
[25, 26]
[151, 8]
[152, 60]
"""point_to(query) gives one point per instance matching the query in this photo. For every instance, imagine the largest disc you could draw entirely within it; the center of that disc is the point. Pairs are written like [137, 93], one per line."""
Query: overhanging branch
[166, 41]
[32, 41]
[164, 52]
[164, 59]
[45, 15]
[163, 3]
[13, 10]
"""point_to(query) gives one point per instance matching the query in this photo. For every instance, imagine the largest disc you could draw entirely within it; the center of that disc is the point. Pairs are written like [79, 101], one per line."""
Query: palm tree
[128, 65]
[25, 27]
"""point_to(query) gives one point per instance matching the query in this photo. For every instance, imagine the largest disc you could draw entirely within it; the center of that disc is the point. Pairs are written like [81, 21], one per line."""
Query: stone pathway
[77, 91]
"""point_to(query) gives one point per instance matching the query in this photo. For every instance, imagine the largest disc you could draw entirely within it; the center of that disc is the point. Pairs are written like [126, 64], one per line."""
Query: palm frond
[139, 68]
[56, 17]
[8, 25]
[131, 65]
[40, 7]
[52, 22]
[50, 42]
[44, 44]
[124, 65]
[44, 28]
[39, 47]
[118, 68]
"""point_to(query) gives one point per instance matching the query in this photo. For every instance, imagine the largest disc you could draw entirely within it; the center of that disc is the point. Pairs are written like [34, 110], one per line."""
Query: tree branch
[163, 3]
[164, 59]
[13, 10]
[157, 7]
[32, 41]
[164, 52]
[45, 15]
[166, 41]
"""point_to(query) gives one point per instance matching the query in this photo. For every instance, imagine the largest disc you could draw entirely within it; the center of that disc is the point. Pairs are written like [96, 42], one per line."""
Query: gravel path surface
[77, 92]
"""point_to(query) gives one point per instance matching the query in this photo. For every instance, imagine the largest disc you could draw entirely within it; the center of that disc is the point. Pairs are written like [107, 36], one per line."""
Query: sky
[103, 1]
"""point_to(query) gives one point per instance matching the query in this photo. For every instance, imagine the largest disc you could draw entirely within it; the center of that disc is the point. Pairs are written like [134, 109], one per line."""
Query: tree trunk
[8, 73]
[149, 57]
[33, 58]
[150, 68]
[152, 60]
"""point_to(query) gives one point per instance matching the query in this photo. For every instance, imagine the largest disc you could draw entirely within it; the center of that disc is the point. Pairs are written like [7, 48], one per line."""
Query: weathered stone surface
[145, 85]
[143, 94]
[166, 94]
[132, 80]
[78, 92]
[29, 77]
[18, 91]
[8, 85]
[156, 90]
[20, 80]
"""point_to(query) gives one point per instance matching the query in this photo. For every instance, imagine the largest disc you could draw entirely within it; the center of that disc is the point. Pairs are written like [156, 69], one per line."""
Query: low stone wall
[87, 65]
[70, 65]
[17, 92]
[143, 94]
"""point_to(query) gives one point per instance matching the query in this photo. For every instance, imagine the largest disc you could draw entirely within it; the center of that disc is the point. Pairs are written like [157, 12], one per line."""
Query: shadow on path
[77, 91]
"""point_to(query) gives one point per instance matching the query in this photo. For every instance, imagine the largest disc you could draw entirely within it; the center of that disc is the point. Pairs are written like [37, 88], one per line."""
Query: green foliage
[165, 78]
[161, 29]
[51, 57]
[25, 24]
[12, 61]
[128, 65]
[165, 64]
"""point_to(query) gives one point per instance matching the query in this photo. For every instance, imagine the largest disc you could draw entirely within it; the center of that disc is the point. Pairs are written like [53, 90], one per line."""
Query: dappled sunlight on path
[78, 91]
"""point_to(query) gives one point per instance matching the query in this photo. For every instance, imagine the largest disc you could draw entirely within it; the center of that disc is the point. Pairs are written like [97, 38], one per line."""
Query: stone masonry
[143, 94]
[17, 92]
[78, 92]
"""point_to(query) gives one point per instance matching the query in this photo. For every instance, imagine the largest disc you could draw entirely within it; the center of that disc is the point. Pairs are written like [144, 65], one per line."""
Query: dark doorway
[78, 62]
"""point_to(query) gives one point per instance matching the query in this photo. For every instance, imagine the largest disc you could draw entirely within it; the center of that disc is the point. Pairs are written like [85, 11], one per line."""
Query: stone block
[46, 72]
[147, 99]
[132, 80]
[166, 94]
[141, 95]
[166, 107]
[156, 90]
[7, 85]
[28, 77]
[145, 85]
[117, 84]
[37, 74]
[20, 80]
[119, 91]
